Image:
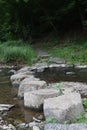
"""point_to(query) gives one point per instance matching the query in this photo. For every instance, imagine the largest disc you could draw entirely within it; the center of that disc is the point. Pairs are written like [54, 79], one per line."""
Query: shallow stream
[60, 74]
[20, 114]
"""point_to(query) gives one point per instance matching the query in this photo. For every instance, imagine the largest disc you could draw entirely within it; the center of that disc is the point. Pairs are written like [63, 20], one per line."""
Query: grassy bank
[16, 52]
[73, 51]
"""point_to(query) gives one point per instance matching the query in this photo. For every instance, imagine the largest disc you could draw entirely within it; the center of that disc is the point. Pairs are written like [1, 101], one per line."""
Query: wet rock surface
[66, 127]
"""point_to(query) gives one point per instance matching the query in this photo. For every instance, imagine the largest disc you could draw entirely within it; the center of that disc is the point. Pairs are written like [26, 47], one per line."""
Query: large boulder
[63, 108]
[17, 78]
[30, 85]
[35, 99]
[65, 127]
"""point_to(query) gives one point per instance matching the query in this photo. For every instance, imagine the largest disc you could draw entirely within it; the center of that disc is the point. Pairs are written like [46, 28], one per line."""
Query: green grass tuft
[16, 51]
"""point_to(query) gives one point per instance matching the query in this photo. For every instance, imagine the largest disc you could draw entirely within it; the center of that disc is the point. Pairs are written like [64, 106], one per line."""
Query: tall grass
[16, 51]
[75, 53]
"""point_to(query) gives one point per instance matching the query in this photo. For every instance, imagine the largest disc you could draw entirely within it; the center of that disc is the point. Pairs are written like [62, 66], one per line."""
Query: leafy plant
[58, 87]
[85, 104]
[50, 120]
[81, 119]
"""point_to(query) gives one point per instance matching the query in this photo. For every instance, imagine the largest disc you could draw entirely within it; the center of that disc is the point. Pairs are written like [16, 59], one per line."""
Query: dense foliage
[27, 18]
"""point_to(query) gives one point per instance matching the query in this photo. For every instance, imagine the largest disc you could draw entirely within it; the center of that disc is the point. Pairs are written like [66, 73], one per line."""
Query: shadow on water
[18, 113]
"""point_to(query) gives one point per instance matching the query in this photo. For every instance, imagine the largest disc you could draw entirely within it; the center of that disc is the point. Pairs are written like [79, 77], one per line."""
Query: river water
[18, 113]
[70, 74]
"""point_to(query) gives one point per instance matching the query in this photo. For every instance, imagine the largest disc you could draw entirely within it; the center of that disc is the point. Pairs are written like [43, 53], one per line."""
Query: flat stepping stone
[57, 60]
[64, 108]
[17, 78]
[35, 99]
[65, 127]
[28, 85]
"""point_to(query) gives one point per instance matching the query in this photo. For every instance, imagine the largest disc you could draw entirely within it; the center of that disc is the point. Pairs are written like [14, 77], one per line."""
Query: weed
[81, 119]
[85, 104]
[58, 87]
[50, 120]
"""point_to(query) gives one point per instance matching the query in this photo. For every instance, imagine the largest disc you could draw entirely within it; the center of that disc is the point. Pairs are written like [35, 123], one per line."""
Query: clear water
[18, 113]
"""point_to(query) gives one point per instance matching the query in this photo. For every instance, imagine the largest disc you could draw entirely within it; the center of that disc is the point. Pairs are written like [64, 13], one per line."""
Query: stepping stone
[17, 78]
[57, 60]
[30, 85]
[64, 108]
[35, 99]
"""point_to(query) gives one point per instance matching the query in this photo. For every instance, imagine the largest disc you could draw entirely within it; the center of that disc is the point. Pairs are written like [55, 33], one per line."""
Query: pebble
[23, 125]
[31, 124]
[40, 117]
[35, 119]
[36, 128]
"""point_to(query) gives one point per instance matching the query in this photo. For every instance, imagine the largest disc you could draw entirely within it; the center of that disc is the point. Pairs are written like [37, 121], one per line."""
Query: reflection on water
[17, 113]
